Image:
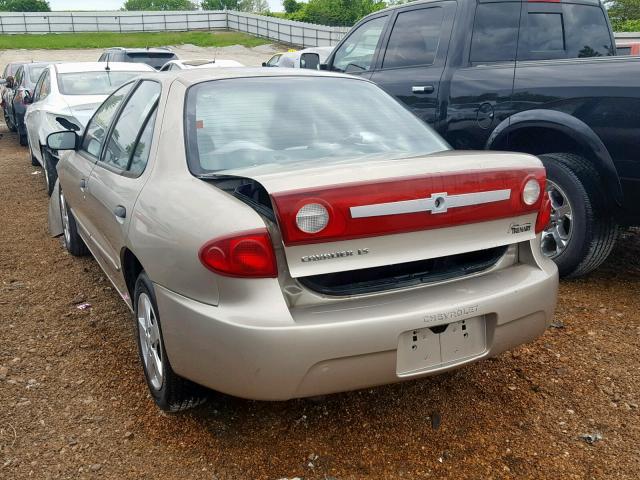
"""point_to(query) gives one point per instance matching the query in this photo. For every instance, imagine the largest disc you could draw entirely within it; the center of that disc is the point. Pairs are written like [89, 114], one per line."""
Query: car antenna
[107, 68]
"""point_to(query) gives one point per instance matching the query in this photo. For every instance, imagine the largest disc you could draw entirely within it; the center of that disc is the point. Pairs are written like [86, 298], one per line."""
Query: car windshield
[93, 83]
[245, 122]
[154, 59]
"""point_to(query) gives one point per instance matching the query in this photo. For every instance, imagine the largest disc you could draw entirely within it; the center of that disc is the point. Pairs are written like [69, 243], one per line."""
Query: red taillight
[544, 215]
[246, 254]
[342, 225]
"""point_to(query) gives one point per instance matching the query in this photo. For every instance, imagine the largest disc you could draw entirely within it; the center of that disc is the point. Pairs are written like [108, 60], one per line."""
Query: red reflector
[246, 254]
[338, 201]
[544, 215]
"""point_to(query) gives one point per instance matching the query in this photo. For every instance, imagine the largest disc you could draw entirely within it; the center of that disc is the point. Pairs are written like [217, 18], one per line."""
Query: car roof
[69, 67]
[140, 50]
[196, 75]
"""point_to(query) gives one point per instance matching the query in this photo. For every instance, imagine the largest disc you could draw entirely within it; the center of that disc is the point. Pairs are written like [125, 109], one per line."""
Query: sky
[276, 5]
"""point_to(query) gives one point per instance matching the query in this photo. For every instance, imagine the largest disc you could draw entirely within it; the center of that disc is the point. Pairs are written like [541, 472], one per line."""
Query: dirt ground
[251, 57]
[73, 402]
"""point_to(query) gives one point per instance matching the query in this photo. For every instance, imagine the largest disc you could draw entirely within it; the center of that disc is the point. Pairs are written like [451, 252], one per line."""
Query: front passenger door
[120, 174]
[415, 55]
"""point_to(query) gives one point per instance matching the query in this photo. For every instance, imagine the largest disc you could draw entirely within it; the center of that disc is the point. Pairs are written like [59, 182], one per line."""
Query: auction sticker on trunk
[434, 347]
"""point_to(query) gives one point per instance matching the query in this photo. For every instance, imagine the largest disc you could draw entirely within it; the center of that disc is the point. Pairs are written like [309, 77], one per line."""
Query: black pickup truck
[534, 76]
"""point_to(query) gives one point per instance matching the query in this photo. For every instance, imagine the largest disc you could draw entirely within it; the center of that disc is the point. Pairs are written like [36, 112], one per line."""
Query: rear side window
[414, 39]
[545, 32]
[587, 32]
[495, 32]
[99, 125]
[122, 142]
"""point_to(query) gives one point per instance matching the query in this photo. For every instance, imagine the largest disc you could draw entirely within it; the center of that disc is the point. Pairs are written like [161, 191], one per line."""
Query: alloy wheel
[557, 235]
[64, 213]
[150, 341]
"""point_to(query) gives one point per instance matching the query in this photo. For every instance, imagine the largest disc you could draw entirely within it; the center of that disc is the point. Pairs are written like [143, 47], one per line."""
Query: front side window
[356, 53]
[273, 61]
[266, 122]
[102, 82]
[495, 32]
[134, 114]
[99, 125]
[414, 39]
[43, 87]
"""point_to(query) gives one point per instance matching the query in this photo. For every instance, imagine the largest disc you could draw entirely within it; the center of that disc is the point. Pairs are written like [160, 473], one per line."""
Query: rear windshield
[154, 59]
[267, 121]
[92, 83]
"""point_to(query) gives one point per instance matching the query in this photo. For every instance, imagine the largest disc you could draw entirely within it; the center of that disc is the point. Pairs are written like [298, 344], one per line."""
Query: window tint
[133, 116]
[140, 156]
[99, 124]
[587, 31]
[545, 32]
[414, 39]
[356, 53]
[495, 32]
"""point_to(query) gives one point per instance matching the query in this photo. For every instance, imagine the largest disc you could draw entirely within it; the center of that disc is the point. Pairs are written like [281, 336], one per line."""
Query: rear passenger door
[413, 57]
[120, 174]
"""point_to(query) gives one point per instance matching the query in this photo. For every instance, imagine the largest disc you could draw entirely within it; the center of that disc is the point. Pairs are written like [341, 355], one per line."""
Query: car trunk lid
[388, 212]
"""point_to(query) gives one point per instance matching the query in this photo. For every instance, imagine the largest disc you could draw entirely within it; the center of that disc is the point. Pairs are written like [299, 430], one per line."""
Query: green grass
[56, 41]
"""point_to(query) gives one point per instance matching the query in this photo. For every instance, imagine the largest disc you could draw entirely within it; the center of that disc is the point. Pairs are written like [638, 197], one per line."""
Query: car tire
[582, 231]
[71, 238]
[9, 123]
[49, 168]
[171, 392]
[22, 138]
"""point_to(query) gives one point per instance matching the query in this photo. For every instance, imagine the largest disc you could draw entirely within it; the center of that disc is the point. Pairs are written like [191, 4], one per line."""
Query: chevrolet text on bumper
[273, 266]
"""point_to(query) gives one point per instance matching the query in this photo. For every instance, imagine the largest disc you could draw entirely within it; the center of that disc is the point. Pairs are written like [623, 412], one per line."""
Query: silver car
[65, 96]
[287, 233]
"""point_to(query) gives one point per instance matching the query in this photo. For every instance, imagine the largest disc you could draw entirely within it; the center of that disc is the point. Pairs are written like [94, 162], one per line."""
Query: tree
[24, 6]
[159, 5]
[253, 6]
[219, 5]
[622, 11]
[291, 6]
[337, 12]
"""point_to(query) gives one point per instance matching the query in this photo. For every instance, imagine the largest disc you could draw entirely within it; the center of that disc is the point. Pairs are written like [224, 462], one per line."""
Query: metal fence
[276, 29]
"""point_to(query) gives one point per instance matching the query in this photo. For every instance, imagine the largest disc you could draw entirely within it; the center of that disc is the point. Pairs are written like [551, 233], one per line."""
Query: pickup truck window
[414, 39]
[587, 31]
[546, 33]
[356, 53]
[495, 32]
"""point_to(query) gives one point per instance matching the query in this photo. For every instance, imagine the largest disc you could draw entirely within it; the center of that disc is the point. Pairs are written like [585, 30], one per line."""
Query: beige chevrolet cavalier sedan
[283, 234]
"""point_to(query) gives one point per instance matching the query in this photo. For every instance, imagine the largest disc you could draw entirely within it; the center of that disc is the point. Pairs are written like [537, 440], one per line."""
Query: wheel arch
[548, 131]
[131, 269]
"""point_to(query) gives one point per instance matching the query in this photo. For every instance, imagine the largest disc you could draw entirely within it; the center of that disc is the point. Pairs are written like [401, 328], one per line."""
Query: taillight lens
[246, 254]
[312, 218]
[544, 215]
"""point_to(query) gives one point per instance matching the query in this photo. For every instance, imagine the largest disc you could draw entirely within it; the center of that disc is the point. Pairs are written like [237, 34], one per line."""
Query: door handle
[422, 89]
[120, 212]
[83, 184]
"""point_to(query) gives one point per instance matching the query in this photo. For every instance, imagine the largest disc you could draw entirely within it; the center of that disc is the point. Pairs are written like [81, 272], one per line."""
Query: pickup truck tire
[592, 232]
[171, 392]
[70, 236]
[49, 168]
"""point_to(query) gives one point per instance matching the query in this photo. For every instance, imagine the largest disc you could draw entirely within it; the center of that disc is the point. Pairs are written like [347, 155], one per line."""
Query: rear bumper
[346, 345]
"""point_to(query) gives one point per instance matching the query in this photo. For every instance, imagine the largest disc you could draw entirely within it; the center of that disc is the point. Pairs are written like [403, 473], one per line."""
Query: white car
[309, 58]
[189, 64]
[65, 97]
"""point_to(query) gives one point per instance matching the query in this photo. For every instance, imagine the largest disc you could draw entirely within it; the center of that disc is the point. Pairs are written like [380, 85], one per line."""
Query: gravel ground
[73, 403]
[247, 56]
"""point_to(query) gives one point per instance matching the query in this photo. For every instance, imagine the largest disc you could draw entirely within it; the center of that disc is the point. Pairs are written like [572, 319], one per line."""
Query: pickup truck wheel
[49, 168]
[581, 233]
[72, 241]
[171, 392]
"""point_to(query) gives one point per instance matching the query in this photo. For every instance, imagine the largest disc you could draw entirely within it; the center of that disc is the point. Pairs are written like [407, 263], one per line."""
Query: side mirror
[65, 140]
[264, 64]
[310, 61]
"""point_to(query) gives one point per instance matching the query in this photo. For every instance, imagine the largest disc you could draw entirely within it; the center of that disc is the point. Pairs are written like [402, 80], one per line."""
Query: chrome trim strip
[436, 203]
